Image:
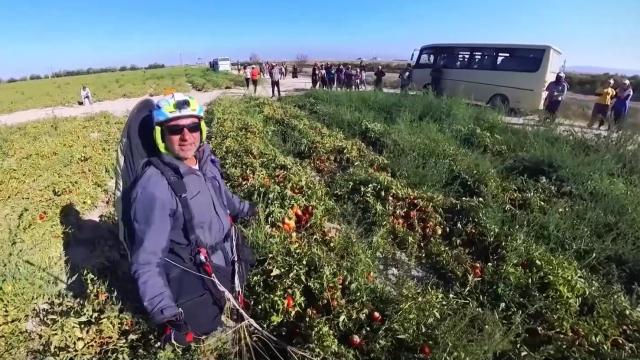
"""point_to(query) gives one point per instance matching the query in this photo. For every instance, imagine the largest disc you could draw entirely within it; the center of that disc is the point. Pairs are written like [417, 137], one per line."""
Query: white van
[501, 75]
[221, 64]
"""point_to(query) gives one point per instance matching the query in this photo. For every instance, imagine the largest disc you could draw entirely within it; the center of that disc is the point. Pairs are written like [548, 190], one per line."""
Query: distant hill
[601, 70]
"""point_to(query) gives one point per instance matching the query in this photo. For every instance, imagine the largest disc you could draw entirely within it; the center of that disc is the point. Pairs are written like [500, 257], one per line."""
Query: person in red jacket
[255, 76]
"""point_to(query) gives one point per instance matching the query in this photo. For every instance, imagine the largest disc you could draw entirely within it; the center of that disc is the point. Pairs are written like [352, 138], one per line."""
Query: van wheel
[500, 103]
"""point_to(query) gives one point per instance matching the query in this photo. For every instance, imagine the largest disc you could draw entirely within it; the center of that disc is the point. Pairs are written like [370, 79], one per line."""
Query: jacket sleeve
[238, 208]
[152, 209]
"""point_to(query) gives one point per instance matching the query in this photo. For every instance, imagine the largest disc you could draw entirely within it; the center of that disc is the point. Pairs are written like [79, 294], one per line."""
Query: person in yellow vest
[601, 108]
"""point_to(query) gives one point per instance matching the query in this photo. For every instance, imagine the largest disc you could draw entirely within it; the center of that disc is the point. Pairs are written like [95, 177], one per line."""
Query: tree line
[87, 71]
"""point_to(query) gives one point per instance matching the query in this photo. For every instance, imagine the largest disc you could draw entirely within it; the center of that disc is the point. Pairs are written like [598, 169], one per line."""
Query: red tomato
[425, 351]
[354, 341]
[289, 302]
[375, 317]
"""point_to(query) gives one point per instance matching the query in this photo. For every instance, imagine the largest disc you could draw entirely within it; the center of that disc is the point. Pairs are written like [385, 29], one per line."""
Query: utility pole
[180, 59]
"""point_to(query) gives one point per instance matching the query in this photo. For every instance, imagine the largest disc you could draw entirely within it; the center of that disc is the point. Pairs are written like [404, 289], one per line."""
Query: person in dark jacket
[436, 80]
[379, 74]
[158, 224]
[315, 76]
[405, 78]
[294, 71]
[348, 78]
[331, 77]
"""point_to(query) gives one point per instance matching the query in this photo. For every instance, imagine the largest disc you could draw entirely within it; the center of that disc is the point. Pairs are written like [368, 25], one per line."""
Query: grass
[471, 237]
[65, 91]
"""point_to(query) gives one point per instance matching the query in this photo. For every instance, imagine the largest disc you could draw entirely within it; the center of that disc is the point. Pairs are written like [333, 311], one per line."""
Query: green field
[476, 239]
[65, 91]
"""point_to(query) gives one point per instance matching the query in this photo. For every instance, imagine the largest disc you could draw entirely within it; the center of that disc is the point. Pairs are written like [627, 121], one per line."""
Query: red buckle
[189, 337]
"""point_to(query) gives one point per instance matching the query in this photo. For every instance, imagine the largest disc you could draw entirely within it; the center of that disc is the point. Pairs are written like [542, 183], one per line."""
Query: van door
[421, 74]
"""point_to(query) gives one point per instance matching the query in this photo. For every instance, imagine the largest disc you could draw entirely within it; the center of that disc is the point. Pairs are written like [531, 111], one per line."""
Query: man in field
[85, 96]
[164, 255]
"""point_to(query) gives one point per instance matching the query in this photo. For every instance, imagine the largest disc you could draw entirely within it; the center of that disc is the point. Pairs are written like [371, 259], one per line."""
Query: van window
[482, 59]
[426, 59]
[520, 60]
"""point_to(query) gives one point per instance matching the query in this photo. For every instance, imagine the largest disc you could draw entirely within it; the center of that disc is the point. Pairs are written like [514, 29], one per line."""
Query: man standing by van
[556, 90]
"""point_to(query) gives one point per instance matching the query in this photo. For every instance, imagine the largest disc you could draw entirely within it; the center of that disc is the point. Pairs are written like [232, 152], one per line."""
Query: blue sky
[41, 36]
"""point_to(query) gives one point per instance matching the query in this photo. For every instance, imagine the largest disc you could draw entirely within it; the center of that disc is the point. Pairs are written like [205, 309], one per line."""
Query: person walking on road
[621, 105]
[315, 76]
[356, 79]
[379, 74]
[277, 73]
[255, 76]
[405, 78]
[600, 110]
[294, 71]
[247, 76]
[556, 91]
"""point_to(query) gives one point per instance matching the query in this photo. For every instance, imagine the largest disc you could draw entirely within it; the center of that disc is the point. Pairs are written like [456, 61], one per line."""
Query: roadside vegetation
[65, 91]
[390, 226]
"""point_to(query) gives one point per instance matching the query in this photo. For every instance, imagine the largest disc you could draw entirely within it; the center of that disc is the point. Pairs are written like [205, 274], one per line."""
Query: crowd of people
[611, 106]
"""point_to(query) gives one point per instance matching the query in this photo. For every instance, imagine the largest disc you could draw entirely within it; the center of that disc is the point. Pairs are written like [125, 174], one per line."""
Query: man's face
[179, 138]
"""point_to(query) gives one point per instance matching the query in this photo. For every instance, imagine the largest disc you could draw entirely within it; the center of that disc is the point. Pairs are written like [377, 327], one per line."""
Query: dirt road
[121, 107]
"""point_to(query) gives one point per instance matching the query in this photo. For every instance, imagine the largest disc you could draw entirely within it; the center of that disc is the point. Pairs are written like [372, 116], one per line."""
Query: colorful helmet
[176, 106]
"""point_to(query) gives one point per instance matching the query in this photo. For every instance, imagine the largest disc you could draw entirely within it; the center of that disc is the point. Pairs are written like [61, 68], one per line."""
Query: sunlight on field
[65, 91]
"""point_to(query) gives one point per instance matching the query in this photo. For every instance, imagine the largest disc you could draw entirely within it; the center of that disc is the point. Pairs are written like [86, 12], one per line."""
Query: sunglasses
[175, 130]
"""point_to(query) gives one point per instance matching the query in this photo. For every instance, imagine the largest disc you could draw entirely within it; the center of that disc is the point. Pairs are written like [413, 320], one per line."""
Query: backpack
[201, 301]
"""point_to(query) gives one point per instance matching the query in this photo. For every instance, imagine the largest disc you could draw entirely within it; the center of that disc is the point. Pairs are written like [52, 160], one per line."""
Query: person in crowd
[340, 77]
[255, 76]
[363, 77]
[247, 76]
[556, 91]
[620, 107]
[285, 70]
[85, 96]
[348, 78]
[294, 71]
[379, 74]
[405, 78]
[356, 79]
[600, 110]
[331, 77]
[277, 73]
[315, 76]
[323, 77]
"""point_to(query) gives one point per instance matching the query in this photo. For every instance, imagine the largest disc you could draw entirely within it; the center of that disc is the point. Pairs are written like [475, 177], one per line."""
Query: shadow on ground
[94, 247]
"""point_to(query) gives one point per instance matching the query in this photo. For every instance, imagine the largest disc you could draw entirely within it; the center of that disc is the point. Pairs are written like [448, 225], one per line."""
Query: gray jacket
[156, 212]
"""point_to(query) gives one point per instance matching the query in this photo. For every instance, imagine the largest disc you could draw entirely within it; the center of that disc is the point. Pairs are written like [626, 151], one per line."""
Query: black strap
[177, 185]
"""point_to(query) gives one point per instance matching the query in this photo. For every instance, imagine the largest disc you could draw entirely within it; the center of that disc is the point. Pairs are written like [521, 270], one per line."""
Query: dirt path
[288, 86]
[121, 107]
